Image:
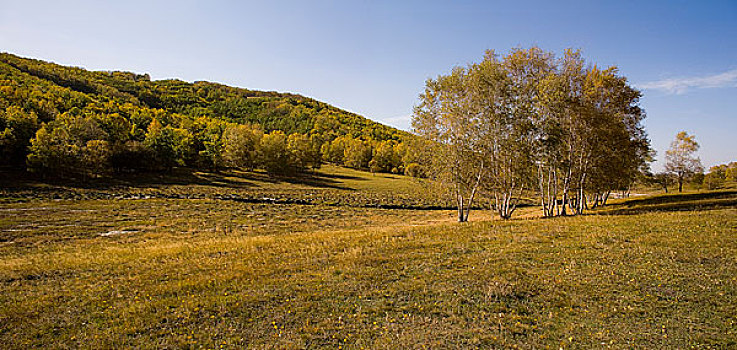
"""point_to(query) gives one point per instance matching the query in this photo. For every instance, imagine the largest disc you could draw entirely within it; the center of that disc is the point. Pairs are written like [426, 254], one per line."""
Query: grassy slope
[207, 273]
[328, 176]
[330, 185]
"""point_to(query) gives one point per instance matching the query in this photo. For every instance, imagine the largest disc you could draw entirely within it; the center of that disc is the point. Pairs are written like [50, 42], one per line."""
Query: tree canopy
[506, 125]
[681, 160]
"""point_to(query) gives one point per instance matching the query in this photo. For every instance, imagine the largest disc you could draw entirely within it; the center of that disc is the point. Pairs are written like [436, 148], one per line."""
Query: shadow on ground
[17, 180]
[673, 202]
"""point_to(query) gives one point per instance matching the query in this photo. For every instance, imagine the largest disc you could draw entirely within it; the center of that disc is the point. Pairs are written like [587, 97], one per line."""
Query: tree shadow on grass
[675, 202]
[236, 179]
[313, 179]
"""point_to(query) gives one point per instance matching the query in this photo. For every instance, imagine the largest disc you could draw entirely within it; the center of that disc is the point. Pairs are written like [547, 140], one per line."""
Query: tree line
[719, 175]
[530, 123]
[119, 140]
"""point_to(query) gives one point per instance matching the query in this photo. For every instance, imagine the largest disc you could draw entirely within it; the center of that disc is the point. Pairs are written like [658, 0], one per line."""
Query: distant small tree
[662, 179]
[58, 147]
[374, 166]
[117, 129]
[716, 177]
[731, 172]
[131, 156]
[680, 159]
[316, 151]
[53, 152]
[713, 181]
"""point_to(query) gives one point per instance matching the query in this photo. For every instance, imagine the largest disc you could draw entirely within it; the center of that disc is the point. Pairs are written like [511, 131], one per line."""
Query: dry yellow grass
[202, 273]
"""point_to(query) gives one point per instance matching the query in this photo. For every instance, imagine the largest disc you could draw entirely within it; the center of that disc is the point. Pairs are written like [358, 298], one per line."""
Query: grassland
[330, 185]
[204, 272]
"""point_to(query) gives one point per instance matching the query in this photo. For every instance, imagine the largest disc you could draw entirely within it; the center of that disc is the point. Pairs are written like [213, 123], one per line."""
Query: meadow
[163, 263]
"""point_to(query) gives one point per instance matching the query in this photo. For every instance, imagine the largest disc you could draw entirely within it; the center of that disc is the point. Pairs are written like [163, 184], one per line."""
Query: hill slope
[77, 106]
[290, 113]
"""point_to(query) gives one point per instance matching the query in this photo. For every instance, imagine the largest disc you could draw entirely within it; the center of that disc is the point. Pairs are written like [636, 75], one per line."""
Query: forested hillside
[59, 120]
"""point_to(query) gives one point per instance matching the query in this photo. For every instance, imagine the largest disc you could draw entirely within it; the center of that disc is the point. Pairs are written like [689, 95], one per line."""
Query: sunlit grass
[359, 277]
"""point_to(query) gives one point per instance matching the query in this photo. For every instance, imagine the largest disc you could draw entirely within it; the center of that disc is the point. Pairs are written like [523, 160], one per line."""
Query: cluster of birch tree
[531, 124]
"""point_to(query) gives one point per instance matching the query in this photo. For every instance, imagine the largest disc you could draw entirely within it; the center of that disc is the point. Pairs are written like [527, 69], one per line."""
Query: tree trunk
[564, 197]
[461, 216]
[464, 209]
[581, 205]
[556, 206]
[543, 194]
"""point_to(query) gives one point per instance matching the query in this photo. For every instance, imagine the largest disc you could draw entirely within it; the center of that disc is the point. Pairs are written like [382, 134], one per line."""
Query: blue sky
[372, 57]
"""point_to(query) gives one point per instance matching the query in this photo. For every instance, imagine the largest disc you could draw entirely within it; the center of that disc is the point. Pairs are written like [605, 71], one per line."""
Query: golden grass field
[655, 272]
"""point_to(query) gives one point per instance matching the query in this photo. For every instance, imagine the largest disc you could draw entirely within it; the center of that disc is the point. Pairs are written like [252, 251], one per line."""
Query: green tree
[316, 142]
[96, 157]
[445, 117]
[716, 177]
[663, 179]
[385, 157]
[53, 152]
[167, 144]
[414, 170]
[589, 135]
[300, 150]
[58, 147]
[16, 130]
[131, 156]
[274, 155]
[731, 172]
[334, 151]
[116, 127]
[681, 160]
[357, 154]
[503, 98]
[241, 144]
[499, 124]
[211, 138]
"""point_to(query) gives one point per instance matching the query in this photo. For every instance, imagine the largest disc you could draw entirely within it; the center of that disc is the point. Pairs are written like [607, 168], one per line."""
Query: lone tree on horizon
[680, 159]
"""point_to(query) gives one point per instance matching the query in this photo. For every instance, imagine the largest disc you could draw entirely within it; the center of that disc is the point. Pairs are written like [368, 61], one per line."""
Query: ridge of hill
[290, 113]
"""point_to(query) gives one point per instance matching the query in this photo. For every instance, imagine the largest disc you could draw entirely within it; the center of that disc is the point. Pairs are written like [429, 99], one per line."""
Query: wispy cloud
[681, 85]
[403, 122]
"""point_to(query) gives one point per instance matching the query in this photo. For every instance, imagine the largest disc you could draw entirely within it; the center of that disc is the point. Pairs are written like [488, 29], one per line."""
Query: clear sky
[372, 57]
